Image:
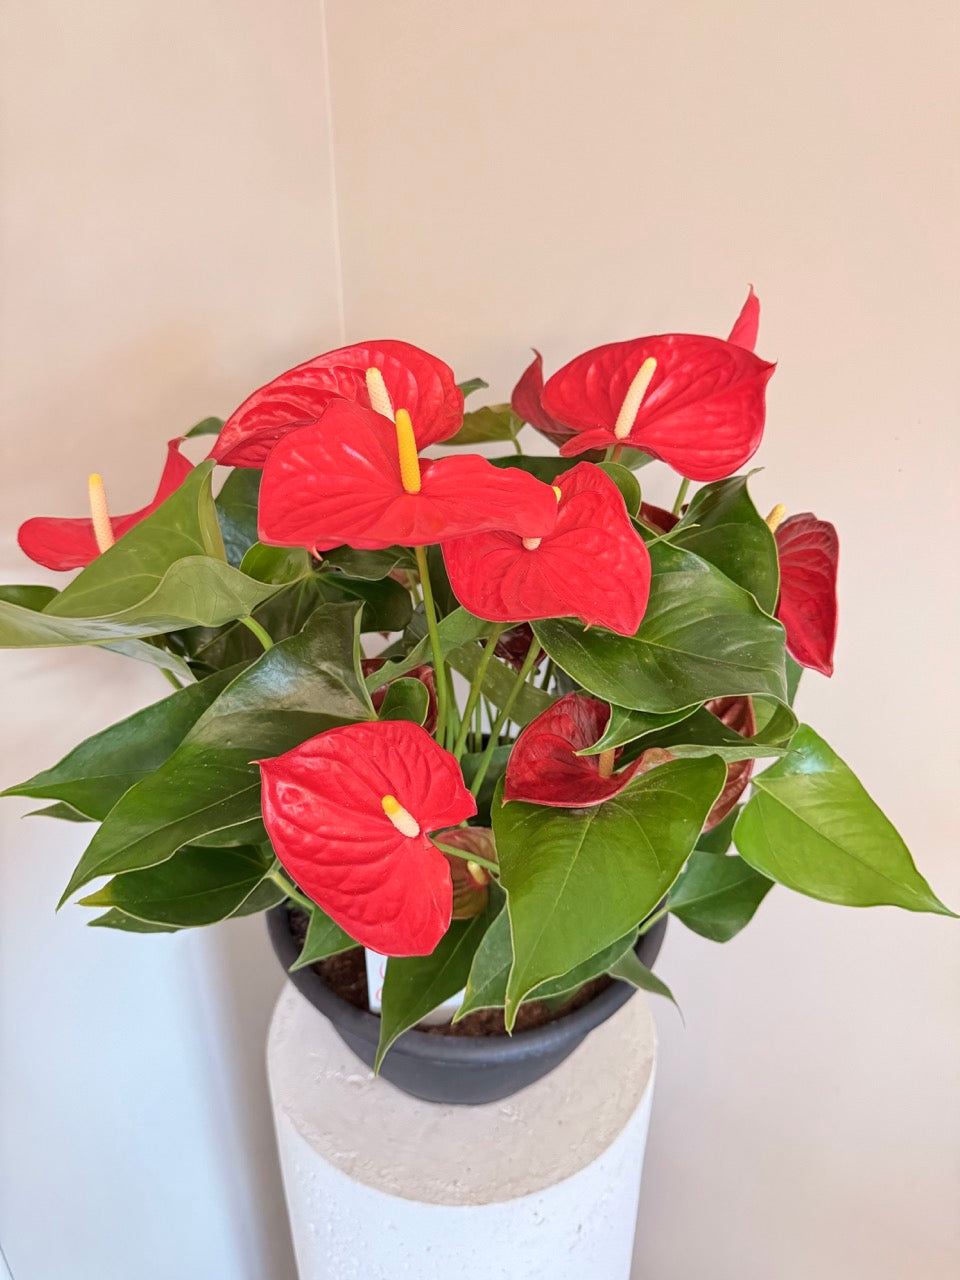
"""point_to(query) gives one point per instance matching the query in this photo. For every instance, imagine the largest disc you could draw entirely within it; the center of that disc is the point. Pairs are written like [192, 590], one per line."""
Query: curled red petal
[471, 884]
[746, 327]
[323, 810]
[527, 405]
[809, 551]
[544, 767]
[415, 380]
[593, 566]
[338, 481]
[703, 412]
[70, 543]
[657, 517]
[736, 713]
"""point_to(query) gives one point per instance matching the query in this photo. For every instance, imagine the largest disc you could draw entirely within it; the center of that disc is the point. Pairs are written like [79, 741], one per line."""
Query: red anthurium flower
[385, 376]
[353, 478]
[70, 544]
[513, 646]
[424, 674]
[695, 402]
[593, 565]
[809, 549]
[348, 814]
[471, 882]
[544, 767]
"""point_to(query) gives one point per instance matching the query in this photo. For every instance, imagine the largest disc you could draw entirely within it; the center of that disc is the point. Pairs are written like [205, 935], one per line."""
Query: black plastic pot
[459, 1069]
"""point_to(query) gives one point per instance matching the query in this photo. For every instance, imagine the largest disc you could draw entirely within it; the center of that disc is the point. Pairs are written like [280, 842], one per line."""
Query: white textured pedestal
[382, 1186]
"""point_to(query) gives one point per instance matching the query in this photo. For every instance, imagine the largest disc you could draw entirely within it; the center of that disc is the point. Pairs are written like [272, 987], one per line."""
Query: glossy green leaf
[702, 637]
[236, 506]
[29, 596]
[406, 699]
[267, 894]
[716, 896]
[811, 826]
[94, 775]
[483, 426]
[627, 483]
[386, 604]
[279, 565]
[486, 986]
[324, 938]
[723, 526]
[205, 427]
[554, 864]
[702, 734]
[456, 629]
[114, 919]
[369, 564]
[195, 887]
[630, 968]
[794, 672]
[210, 784]
[626, 726]
[416, 985]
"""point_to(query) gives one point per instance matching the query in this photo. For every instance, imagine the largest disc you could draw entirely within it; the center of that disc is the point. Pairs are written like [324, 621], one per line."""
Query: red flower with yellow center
[375, 375]
[592, 565]
[70, 544]
[354, 478]
[694, 402]
[348, 814]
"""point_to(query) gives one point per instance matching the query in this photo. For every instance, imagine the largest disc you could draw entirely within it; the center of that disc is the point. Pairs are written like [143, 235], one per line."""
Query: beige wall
[562, 174]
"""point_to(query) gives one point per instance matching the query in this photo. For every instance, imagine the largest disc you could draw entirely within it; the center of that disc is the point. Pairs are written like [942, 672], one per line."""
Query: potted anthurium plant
[492, 720]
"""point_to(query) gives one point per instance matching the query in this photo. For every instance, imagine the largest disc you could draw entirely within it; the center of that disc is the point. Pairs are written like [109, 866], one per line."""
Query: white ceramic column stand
[381, 1186]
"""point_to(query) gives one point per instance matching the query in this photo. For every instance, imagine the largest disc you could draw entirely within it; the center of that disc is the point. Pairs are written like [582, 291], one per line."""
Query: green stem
[278, 877]
[440, 671]
[616, 453]
[681, 494]
[467, 856]
[476, 688]
[260, 632]
[652, 920]
[501, 720]
[172, 678]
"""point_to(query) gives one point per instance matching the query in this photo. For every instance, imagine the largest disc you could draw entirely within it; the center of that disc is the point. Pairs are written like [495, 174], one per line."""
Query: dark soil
[346, 974]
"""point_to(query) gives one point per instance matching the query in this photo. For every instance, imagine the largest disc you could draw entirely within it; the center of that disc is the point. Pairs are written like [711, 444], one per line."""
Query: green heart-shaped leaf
[557, 866]
[483, 426]
[702, 637]
[324, 938]
[811, 826]
[94, 775]
[195, 887]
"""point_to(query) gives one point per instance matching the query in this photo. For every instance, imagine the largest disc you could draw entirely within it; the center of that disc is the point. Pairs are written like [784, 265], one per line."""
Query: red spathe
[323, 810]
[415, 380]
[71, 544]
[809, 551]
[593, 565]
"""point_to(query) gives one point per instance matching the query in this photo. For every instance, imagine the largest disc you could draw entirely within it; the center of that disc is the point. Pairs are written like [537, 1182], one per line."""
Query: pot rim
[476, 1050]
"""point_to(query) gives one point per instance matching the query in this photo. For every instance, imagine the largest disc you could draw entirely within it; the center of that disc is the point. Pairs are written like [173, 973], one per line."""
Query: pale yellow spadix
[775, 518]
[102, 528]
[404, 821]
[407, 449]
[379, 395]
[531, 544]
[634, 398]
